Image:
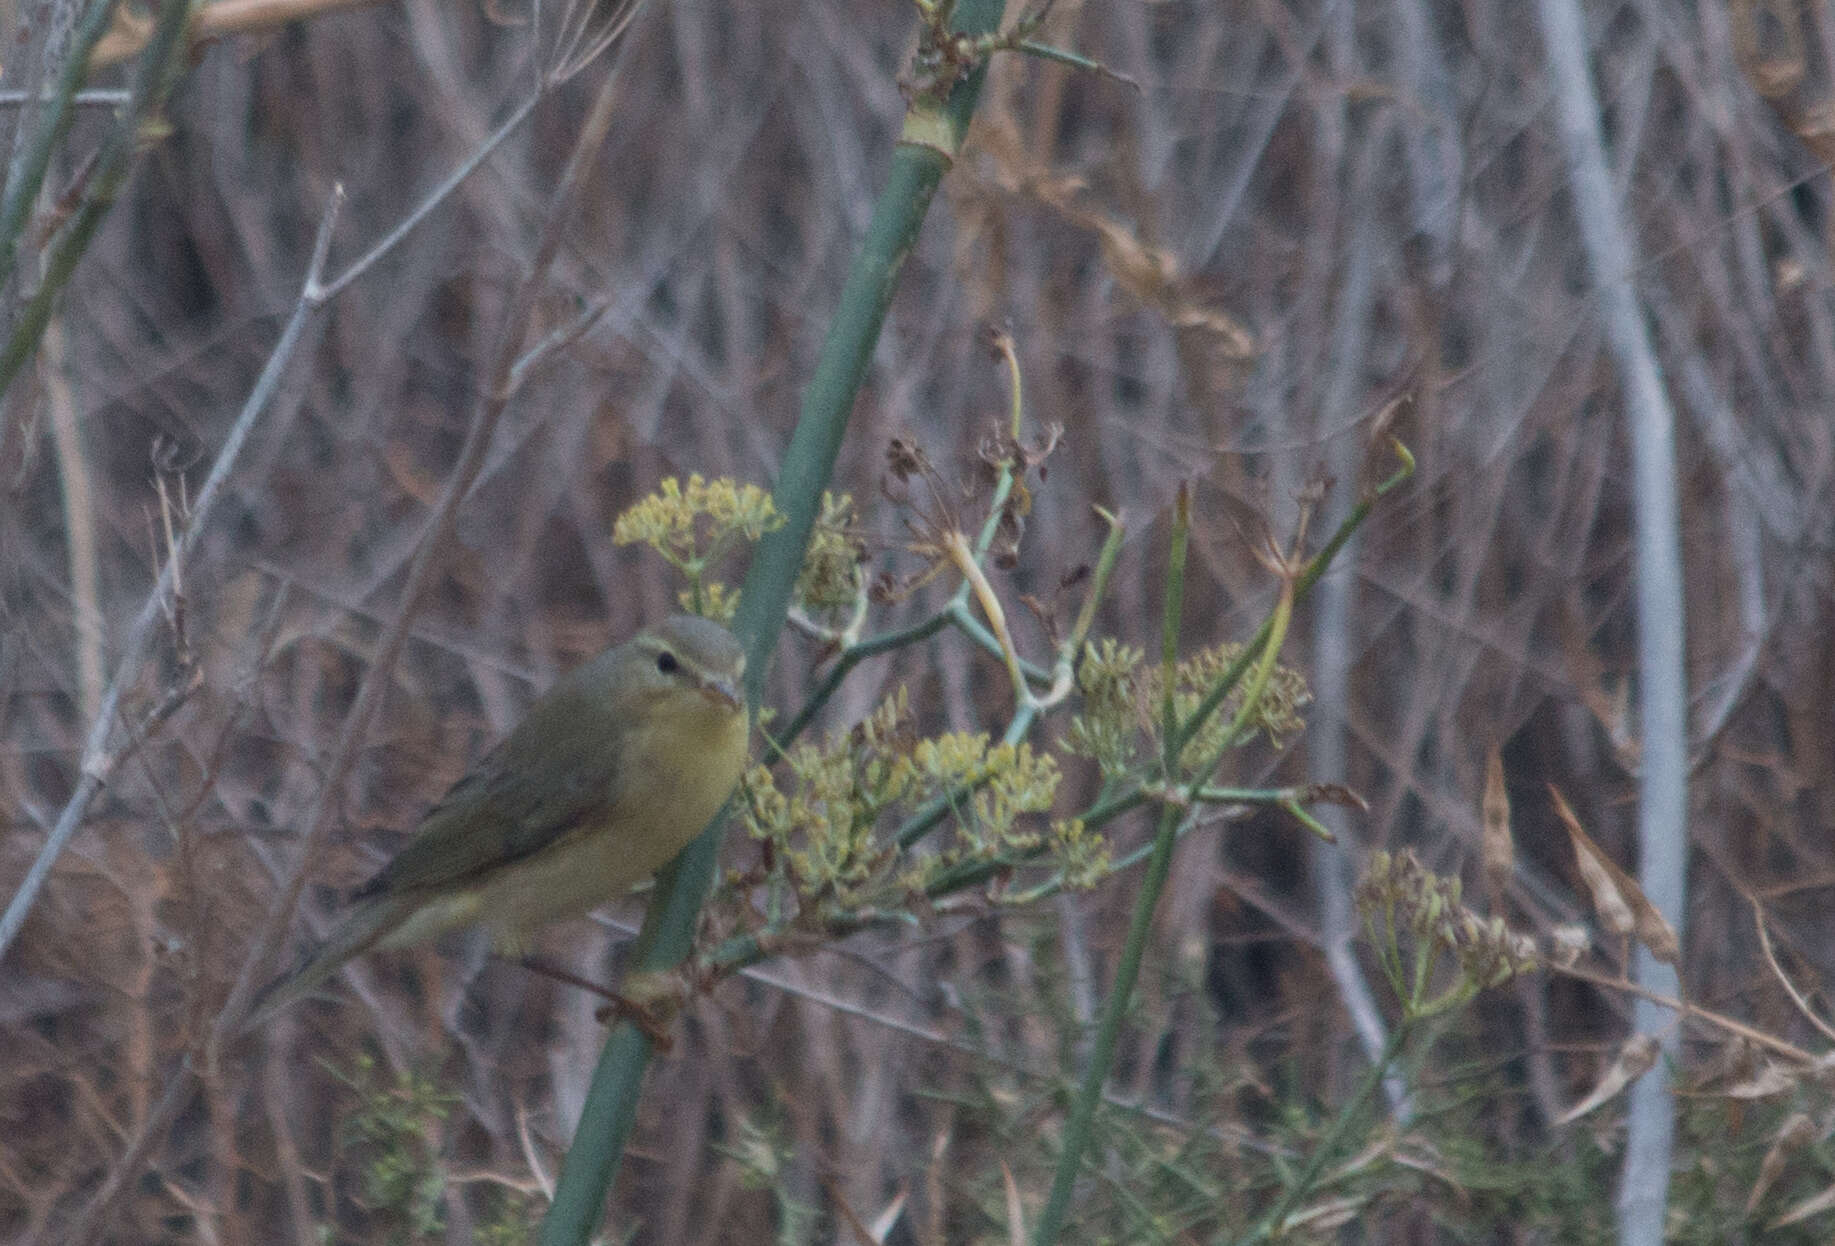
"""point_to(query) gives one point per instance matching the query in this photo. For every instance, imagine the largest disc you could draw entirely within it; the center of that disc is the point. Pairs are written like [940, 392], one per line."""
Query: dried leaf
[1331, 794]
[1423, 1157]
[1326, 1215]
[849, 1217]
[1738, 1060]
[1622, 906]
[1636, 1058]
[1771, 1078]
[399, 460]
[1151, 274]
[1792, 1136]
[1567, 943]
[1381, 1147]
[876, 1233]
[1499, 853]
[1016, 1211]
[1608, 901]
[1610, 706]
[1774, 61]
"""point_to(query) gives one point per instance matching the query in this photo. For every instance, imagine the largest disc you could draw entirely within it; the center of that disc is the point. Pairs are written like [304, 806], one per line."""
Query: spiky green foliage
[395, 1136]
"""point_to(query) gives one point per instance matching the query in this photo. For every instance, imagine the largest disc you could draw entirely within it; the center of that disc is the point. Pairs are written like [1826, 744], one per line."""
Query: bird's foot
[651, 1002]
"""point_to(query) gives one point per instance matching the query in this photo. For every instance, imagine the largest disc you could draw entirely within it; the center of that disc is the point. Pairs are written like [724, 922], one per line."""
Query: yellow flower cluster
[1122, 697]
[1004, 781]
[1415, 917]
[825, 822]
[822, 829]
[719, 602]
[1109, 727]
[831, 577]
[692, 525]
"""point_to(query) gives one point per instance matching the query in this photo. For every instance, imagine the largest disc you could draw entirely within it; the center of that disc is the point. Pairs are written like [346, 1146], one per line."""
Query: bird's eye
[666, 663]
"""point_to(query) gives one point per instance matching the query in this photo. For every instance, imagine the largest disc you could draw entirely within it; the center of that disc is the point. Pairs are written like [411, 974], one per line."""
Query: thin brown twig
[1688, 1011]
[292, 1171]
[1790, 988]
[153, 1127]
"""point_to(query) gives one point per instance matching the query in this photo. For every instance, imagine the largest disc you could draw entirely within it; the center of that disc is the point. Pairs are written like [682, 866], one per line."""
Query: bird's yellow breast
[679, 761]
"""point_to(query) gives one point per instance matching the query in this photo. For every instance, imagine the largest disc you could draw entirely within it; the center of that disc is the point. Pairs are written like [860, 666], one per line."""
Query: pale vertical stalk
[1662, 705]
[1334, 635]
[79, 525]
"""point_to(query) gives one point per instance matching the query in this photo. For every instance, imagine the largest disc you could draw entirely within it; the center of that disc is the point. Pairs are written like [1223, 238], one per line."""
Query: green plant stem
[22, 189]
[920, 823]
[931, 814]
[746, 950]
[955, 612]
[1273, 629]
[924, 820]
[1078, 1128]
[965, 622]
[1274, 635]
[932, 136]
[853, 656]
[1261, 654]
[1328, 1146]
[1064, 670]
[977, 872]
[1083, 1109]
[158, 72]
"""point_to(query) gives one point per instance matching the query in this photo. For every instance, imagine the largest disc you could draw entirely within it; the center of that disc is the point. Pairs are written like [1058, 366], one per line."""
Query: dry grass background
[1305, 209]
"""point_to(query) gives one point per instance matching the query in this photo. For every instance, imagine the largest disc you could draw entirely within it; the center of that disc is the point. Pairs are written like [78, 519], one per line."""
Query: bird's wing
[554, 774]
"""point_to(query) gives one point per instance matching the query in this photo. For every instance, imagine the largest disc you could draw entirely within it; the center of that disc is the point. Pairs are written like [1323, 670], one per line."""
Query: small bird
[612, 772]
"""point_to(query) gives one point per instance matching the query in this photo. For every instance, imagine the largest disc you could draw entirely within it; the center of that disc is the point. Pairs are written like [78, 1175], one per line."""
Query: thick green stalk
[933, 134]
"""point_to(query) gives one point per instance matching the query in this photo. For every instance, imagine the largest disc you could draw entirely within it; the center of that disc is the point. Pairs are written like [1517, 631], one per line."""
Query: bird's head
[686, 654]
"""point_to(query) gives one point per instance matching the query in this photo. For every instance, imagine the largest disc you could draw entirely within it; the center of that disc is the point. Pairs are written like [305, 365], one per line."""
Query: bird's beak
[723, 691]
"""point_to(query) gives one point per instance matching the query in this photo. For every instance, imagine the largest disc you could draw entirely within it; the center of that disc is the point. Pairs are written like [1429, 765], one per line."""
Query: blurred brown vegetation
[1221, 276]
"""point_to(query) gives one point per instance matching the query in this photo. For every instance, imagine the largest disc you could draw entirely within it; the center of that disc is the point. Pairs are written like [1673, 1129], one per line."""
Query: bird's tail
[360, 930]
